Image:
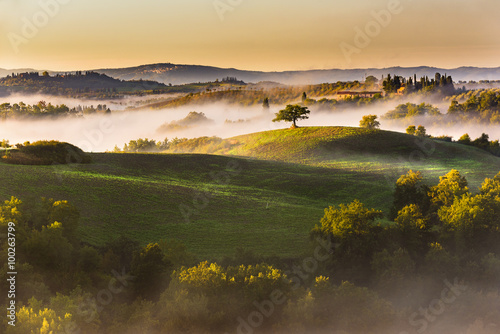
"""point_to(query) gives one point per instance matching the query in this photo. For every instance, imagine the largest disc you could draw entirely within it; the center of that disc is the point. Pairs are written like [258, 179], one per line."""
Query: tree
[371, 80]
[411, 229]
[421, 131]
[482, 142]
[42, 320]
[149, 267]
[347, 220]
[474, 219]
[66, 214]
[410, 218]
[120, 252]
[450, 186]
[393, 271]
[409, 190]
[411, 130]
[292, 113]
[465, 139]
[355, 235]
[4, 143]
[265, 103]
[48, 249]
[141, 145]
[369, 122]
[304, 97]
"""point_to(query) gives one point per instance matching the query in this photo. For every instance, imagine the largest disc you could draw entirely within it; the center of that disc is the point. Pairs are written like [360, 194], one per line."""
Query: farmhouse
[348, 93]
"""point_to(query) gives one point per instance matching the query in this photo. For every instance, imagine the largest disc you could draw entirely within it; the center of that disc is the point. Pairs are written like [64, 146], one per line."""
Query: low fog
[99, 133]
[114, 104]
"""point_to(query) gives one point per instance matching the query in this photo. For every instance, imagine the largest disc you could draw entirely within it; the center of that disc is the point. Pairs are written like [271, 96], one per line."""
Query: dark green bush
[45, 152]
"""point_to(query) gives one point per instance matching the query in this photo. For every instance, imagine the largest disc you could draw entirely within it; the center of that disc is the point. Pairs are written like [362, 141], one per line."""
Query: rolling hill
[177, 74]
[351, 148]
[264, 194]
[77, 83]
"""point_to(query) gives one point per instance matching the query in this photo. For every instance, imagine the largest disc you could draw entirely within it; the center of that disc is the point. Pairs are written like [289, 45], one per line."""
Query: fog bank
[98, 133]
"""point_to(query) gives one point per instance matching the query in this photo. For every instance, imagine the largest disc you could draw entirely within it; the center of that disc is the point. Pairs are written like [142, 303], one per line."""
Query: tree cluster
[440, 83]
[483, 142]
[43, 109]
[174, 145]
[88, 84]
[484, 108]
[409, 110]
[367, 275]
[193, 119]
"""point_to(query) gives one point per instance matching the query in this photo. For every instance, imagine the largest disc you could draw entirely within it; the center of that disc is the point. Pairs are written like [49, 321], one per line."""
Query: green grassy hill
[361, 150]
[254, 202]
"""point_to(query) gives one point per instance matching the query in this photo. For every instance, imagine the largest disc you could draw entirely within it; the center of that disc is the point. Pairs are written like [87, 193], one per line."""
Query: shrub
[45, 152]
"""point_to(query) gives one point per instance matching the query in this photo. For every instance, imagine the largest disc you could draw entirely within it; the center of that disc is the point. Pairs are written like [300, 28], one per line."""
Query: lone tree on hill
[291, 114]
[369, 122]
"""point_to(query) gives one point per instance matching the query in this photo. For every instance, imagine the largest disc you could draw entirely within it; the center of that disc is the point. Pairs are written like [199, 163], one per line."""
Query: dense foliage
[364, 275]
[79, 84]
[409, 110]
[43, 110]
[193, 119]
[484, 108]
[441, 84]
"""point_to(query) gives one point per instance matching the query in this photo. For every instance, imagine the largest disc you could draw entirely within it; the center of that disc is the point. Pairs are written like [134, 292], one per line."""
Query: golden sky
[249, 34]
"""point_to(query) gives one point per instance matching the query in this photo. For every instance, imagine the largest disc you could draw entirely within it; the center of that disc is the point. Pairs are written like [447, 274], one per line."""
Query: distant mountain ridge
[181, 74]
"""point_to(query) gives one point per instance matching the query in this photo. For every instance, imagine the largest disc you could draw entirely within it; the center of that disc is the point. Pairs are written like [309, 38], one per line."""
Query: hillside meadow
[262, 192]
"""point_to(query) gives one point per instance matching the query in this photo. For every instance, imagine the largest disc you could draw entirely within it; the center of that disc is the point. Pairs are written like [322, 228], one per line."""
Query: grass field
[264, 194]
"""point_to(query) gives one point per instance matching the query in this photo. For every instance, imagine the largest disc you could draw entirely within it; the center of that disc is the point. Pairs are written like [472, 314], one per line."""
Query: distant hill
[4, 72]
[179, 74]
[182, 74]
[77, 84]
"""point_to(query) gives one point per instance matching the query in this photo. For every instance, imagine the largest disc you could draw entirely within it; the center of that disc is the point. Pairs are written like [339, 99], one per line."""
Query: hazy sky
[249, 34]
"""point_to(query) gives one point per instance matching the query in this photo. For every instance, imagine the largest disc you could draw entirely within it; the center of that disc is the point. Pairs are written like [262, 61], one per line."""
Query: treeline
[464, 96]
[42, 109]
[256, 95]
[175, 145]
[483, 108]
[482, 142]
[276, 96]
[86, 85]
[440, 84]
[409, 110]
[439, 233]
[364, 275]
